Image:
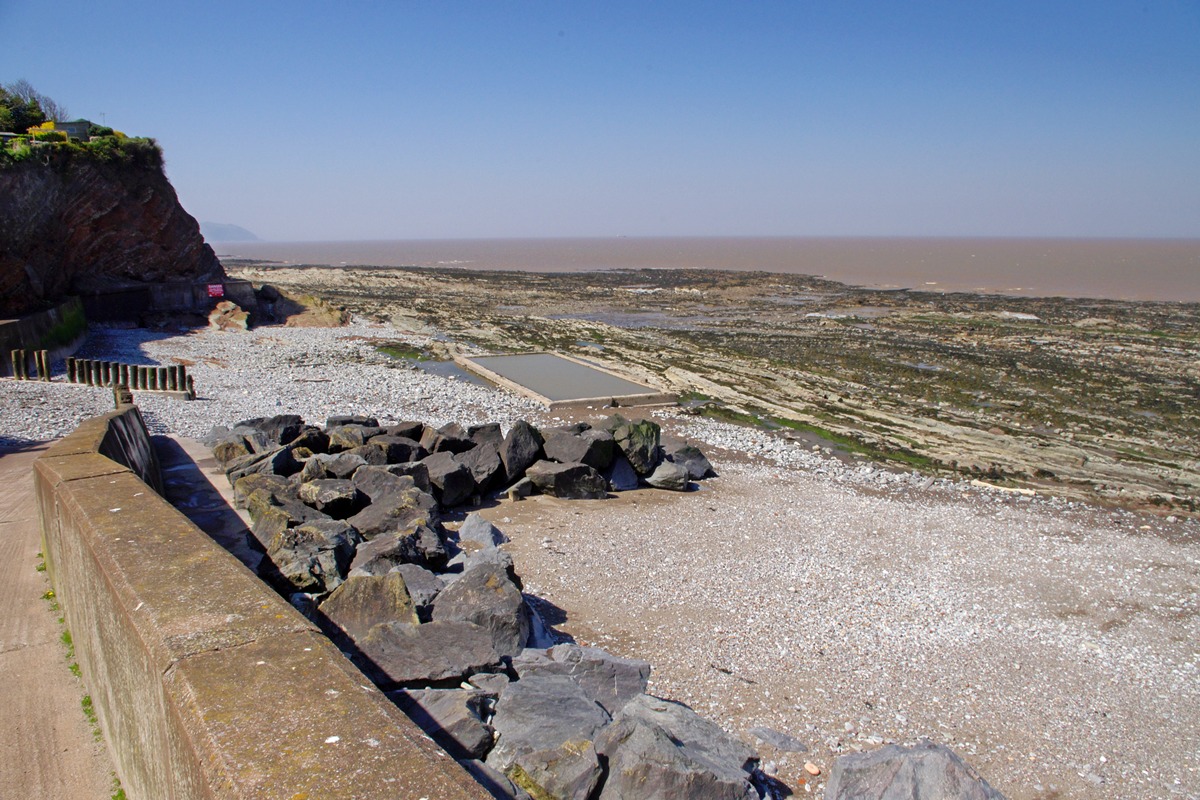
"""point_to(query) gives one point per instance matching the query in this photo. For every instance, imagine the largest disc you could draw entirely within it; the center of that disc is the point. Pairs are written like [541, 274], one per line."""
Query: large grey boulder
[272, 513]
[522, 446]
[637, 440]
[277, 461]
[312, 557]
[453, 717]
[606, 679]
[545, 728]
[452, 482]
[397, 654]
[395, 510]
[690, 458]
[478, 532]
[378, 482]
[362, 602]
[485, 596]
[336, 497]
[409, 430]
[274, 485]
[325, 465]
[280, 429]
[416, 543]
[669, 476]
[592, 447]
[398, 449]
[487, 433]
[658, 749]
[569, 481]
[483, 460]
[415, 470]
[926, 771]
[373, 454]
[345, 437]
[423, 586]
[450, 438]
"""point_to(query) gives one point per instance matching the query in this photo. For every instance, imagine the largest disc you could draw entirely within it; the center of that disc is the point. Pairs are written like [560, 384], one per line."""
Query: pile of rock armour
[349, 516]
[350, 519]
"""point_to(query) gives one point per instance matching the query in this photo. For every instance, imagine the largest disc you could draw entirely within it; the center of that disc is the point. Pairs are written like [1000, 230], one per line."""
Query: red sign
[216, 290]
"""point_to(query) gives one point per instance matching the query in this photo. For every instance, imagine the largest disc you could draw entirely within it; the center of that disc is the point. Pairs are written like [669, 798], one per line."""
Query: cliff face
[71, 223]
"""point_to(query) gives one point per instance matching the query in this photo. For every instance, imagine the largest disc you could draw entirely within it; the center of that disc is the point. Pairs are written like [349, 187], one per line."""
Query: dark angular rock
[423, 587]
[479, 532]
[607, 679]
[637, 440]
[371, 453]
[452, 482]
[336, 497]
[545, 728]
[278, 461]
[313, 438]
[406, 430]
[483, 460]
[620, 475]
[345, 437]
[312, 557]
[341, 465]
[395, 511]
[452, 717]
[449, 438]
[485, 596]
[247, 485]
[338, 420]
[282, 428]
[571, 481]
[376, 482]
[364, 601]
[231, 447]
[669, 476]
[417, 544]
[656, 748]
[592, 447]
[488, 433]
[926, 771]
[396, 654]
[690, 458]
[520, 449]
[398, 449]
[415, 470]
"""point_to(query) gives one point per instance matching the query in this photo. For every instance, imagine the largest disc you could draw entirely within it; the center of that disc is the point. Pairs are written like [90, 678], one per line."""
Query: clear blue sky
[380, 120]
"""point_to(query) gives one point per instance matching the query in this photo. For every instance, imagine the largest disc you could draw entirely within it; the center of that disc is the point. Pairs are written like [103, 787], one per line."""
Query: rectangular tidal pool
[559, 379]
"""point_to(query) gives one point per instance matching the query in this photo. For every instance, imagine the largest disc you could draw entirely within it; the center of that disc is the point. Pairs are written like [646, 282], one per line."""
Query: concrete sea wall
[205, 682]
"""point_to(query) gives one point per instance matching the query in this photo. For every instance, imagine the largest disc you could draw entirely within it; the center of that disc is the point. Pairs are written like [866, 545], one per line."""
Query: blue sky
[381, 120]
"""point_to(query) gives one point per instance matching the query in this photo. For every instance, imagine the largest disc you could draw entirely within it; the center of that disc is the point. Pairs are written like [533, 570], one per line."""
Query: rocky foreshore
[848, 606]
[349, 517]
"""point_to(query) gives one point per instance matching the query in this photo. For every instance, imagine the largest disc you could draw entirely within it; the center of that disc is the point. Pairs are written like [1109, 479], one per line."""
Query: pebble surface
[1054, 645]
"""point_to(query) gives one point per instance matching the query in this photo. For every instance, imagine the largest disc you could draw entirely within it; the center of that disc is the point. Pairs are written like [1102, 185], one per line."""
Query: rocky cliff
[71, 222]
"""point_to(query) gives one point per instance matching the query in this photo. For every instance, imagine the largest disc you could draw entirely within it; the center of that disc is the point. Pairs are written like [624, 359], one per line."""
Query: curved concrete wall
[206, 683]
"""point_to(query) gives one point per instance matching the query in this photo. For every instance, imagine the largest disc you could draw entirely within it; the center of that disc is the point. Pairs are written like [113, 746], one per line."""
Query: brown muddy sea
[1121, 269]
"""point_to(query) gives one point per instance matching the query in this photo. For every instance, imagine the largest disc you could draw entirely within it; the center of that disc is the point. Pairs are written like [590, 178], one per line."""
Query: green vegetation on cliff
[135, 151]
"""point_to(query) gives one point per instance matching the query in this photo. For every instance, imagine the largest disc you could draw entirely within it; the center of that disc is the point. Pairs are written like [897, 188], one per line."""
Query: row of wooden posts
[108, 374]
[139, 378]
[41, 365]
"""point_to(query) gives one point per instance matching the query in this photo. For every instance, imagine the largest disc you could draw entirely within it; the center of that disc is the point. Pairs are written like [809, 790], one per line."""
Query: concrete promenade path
[47, 749]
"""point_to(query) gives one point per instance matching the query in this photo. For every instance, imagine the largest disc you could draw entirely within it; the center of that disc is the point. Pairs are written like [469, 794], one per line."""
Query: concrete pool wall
[557, 380]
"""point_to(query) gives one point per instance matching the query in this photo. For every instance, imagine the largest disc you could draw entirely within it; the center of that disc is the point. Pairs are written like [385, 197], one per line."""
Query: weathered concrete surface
[46, 747]
[206, 683]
